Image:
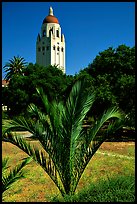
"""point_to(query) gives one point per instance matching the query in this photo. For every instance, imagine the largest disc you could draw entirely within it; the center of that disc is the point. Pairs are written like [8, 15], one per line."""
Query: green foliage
[113, 77]
[114, 62]
[67, 146]
[15, 66]
[125, 92]
[8, 178]
[4, 115]
[22, 88]
[115, 189]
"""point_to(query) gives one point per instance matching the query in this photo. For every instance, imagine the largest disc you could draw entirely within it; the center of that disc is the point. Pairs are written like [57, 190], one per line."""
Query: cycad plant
[67, 145]
[15, 174]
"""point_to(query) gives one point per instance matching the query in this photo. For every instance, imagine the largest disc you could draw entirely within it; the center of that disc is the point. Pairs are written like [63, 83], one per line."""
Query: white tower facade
[50, 45]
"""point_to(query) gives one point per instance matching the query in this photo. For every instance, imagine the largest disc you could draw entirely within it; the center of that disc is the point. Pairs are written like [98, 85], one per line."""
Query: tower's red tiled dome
[50, 19]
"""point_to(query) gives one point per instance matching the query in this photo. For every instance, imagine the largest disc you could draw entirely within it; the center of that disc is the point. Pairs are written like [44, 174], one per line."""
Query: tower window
[54, 47]
[57, 33]
[62, 49]
[58, 49]
[38, 49]
[47, 47]
[43, 48]
[51, 31]
[43, 53]
[44, 33]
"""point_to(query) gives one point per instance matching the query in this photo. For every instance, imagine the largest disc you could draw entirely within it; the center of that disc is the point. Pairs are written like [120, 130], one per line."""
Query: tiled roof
[50, 19]
[4, 83]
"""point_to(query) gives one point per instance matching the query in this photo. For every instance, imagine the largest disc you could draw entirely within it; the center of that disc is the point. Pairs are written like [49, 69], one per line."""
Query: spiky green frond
[41, 157]
[14, 175]
[14, 66]
[67, 145]
[4, 164]
[21, 122]
[53, 110]
[91, 140]
[77, 106]
[107, 115]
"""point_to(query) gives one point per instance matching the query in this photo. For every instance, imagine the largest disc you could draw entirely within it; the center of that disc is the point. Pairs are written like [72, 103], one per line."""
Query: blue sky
[89, 28]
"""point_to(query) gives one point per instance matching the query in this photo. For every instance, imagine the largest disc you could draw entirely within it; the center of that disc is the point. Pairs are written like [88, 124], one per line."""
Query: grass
[114, 189]
[108, 177]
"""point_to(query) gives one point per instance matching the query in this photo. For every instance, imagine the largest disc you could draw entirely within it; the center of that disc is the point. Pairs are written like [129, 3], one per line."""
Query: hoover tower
[50, 44]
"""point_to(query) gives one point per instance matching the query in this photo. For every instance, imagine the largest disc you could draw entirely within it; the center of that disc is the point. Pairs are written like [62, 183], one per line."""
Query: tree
[15, 96]
[50, 78]
[21, 90]
[67, 145]
[114, 62]
[113, 73]
[15, 66]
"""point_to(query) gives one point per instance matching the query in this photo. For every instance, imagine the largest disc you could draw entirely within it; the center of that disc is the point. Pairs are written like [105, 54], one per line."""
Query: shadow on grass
[115, 189]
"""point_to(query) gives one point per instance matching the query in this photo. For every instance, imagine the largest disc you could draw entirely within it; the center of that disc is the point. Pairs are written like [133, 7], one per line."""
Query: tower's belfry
[50, 45]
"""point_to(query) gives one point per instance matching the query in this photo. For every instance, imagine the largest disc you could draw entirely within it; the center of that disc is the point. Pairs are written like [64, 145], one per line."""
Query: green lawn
[102, 180]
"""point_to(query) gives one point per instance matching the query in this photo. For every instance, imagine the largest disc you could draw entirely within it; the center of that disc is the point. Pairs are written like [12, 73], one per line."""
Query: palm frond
[109, 114]
[90, 141]
[77, 106]
[41, 157]
[67, 146]
[14, 175]
[53, 110]
[14, 66]
[20, 122]
[115, 126]
[4, 164]
[44, 99]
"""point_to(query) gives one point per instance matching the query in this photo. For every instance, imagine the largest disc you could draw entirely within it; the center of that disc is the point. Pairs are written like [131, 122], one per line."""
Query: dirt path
[115, 155]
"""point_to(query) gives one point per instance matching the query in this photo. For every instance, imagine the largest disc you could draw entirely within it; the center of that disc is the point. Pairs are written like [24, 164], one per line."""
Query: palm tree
[14, 175]
[67, 145]
[15, 66]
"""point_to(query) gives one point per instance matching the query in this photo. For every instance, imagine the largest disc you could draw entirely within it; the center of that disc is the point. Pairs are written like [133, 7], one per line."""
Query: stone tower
[50, 45]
